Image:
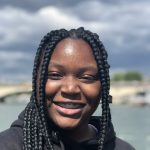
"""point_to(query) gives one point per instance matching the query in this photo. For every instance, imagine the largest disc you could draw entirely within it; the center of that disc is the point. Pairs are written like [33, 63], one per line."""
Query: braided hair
[36, 133]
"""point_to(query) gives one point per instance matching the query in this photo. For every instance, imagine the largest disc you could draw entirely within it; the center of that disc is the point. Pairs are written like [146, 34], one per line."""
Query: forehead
[73, 50]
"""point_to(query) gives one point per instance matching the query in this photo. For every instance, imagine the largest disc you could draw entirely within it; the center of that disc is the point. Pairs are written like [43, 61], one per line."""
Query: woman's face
[73, 87]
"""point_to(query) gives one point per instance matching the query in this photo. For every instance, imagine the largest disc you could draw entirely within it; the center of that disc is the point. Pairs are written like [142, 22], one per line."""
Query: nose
[70, 87]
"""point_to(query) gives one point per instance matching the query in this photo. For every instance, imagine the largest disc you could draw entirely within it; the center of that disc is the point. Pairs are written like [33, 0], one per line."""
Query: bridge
[118, 91]
[3, 98]
[14, 90]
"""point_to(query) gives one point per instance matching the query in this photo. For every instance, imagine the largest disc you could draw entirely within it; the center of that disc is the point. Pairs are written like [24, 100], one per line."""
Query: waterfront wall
[118, 90]
[7, 89]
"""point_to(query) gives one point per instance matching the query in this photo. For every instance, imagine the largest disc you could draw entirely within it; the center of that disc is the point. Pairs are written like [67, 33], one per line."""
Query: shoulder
[122, 145]
[12, 138]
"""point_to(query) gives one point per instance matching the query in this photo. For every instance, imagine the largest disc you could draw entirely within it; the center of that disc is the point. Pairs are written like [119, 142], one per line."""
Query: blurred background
[123, 27]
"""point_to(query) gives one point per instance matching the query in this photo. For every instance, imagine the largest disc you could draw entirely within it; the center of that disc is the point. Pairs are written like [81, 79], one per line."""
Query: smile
[69, 105]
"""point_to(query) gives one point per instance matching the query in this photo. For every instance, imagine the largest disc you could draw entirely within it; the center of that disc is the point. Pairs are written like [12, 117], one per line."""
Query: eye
[54, 76]
[88, 78]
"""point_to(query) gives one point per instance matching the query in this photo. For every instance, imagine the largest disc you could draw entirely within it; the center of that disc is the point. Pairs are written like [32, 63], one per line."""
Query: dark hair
[36, 132]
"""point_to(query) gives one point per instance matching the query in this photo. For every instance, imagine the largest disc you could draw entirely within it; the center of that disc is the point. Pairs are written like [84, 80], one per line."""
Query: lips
[70, 109]
[69, 105]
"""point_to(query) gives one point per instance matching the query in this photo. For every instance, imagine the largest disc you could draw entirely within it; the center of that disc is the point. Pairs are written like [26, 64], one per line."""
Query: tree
[133, 75]
[118, 77]
[127, 76]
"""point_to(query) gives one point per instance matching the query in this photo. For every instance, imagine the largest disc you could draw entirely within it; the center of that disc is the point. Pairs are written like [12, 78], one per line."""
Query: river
[131, 123]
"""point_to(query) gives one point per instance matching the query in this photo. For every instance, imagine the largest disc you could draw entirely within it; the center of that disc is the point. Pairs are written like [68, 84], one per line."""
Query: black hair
[36, 132]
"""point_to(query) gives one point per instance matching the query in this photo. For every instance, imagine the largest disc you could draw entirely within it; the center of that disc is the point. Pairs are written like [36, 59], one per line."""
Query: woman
[70, 80]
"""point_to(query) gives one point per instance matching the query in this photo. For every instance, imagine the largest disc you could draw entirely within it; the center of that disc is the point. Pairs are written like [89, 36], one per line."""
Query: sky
[123, 27]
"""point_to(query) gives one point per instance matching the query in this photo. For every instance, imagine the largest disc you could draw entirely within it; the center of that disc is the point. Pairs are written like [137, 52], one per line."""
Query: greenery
[127, 76]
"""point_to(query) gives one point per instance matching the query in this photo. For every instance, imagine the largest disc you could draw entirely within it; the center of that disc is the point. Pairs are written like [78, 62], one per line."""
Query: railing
[3, 98]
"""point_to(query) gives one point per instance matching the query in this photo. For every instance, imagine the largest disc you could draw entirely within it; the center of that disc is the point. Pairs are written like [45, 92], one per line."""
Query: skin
[73, 78]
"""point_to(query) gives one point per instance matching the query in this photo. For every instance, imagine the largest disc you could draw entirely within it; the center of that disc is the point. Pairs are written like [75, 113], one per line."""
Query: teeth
[69, 105]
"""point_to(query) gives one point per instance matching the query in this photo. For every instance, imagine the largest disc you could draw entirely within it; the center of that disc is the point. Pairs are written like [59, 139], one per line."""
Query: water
[130, 123]
[133, 125]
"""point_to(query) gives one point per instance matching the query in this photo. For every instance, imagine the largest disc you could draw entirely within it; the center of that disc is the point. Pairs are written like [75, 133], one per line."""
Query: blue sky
[123, 27]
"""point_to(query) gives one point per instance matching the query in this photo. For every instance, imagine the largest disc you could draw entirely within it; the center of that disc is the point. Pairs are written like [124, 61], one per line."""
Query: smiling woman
[76, 86]
[70, 80]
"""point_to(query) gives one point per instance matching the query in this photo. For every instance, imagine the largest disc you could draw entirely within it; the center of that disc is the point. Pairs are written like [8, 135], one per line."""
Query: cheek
[92, 93]
[51, 88]
[94, 97]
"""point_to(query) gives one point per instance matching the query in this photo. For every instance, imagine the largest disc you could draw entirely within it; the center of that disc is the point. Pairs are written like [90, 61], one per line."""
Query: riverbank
[133, 93]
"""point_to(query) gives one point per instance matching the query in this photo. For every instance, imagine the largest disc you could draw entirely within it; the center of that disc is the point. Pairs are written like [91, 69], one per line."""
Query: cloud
[23, 29]
[15, 61]
[123, 28]
[13, 55]
[34, 5]
[16, 66]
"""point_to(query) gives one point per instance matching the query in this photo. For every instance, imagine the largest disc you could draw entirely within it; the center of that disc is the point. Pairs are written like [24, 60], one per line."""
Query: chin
[66, 123]
[67, 127]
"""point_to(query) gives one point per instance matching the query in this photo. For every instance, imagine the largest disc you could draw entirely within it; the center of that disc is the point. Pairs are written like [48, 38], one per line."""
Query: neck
[82, 133]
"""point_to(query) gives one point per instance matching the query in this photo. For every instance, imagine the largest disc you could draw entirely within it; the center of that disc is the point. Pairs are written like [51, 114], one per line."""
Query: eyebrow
[82, 69]
[54, 64]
